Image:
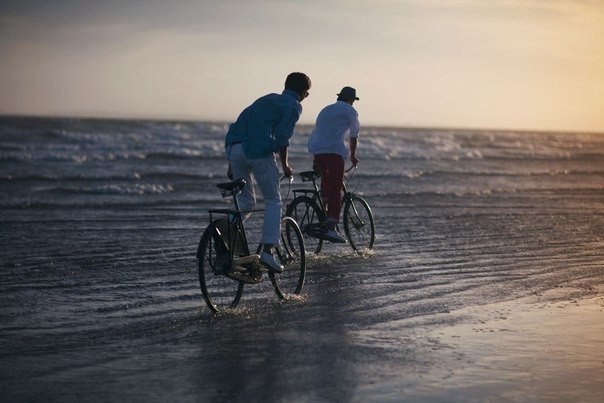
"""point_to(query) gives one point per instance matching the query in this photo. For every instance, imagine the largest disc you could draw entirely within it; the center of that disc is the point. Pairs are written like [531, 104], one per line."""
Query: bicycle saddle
[229, 187]
[309, 175]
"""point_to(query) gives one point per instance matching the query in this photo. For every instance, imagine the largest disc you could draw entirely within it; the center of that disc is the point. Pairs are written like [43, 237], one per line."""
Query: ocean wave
[81, 158]
[486, 200]
[192, 155]
[114, 189]
[19, 135]
[501, 173]
[199, 204]
[135, 159]
[169, 177]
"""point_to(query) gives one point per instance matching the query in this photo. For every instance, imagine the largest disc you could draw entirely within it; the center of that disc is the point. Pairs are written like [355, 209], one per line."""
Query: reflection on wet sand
[547, 348]
[280, 352]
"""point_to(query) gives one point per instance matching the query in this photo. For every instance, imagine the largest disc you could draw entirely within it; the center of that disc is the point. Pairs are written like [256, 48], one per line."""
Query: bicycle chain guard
[246, 269]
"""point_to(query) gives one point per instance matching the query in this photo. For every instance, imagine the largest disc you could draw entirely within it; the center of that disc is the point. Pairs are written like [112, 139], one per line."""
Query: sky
[496, 64]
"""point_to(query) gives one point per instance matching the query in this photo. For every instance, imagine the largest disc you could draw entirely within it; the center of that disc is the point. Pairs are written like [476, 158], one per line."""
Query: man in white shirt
[327, 143]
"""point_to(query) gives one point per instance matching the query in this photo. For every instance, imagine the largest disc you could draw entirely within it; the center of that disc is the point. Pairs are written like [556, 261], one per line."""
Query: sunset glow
[510, 64]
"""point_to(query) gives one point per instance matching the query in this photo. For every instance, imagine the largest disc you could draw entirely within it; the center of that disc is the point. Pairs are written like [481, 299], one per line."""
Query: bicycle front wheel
[219, 291]
[306, 212]
[292, 256]
[358, 223]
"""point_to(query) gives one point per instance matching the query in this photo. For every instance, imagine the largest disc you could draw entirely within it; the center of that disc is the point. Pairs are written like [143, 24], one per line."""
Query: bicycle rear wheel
[358, 223]
[305, 212]
[219, 291]
[292, 256]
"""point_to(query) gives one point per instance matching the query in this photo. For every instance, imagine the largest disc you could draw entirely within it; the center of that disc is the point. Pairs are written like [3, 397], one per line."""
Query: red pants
[331, 167]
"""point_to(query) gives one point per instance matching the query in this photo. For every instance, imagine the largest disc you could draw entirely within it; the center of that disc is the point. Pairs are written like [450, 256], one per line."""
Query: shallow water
[100, 300]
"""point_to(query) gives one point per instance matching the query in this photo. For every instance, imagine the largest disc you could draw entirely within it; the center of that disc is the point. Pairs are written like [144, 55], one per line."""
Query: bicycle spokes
[219, 291]
[291, 255]
[307, 213]
[358, 223]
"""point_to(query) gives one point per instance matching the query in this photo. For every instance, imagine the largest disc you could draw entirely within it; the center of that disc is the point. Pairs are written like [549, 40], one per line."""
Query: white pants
[266, 174]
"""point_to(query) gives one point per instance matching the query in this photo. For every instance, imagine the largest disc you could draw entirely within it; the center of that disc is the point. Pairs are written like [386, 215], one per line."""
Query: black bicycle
[225, 261]
[308, 210]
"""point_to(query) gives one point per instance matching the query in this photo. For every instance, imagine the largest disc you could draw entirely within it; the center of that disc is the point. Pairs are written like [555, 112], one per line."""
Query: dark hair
[297, 82]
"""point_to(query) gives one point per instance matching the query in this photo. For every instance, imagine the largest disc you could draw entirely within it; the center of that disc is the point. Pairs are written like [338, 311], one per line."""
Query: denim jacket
[267, 125]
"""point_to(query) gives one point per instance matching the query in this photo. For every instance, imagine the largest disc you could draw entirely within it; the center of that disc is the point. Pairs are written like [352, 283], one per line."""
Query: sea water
[100, 221]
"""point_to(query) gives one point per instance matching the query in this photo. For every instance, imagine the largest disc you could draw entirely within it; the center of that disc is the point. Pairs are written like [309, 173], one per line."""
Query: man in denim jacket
[261, 131]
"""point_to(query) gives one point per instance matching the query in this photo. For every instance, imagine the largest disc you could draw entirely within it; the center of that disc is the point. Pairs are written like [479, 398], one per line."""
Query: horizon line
[376, 126]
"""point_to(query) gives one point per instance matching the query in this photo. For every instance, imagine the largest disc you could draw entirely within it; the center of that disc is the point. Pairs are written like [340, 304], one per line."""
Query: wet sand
[329, 345]
[547, 347]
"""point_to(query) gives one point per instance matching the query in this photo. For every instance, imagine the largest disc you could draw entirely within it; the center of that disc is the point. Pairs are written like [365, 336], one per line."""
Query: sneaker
[333, 236]
[269, 261]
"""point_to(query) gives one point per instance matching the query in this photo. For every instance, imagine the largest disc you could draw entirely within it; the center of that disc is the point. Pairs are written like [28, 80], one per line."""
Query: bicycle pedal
[243, 260]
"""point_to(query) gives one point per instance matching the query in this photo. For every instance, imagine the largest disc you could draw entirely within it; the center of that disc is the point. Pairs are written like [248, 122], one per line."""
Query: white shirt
[334, 123]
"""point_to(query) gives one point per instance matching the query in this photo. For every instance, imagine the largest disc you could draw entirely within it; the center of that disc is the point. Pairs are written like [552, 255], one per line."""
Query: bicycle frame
[309, 210]
[225, 263]
[232, 229]
[237, 224]
[348, 196]
[316, 195]
[235, 232]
